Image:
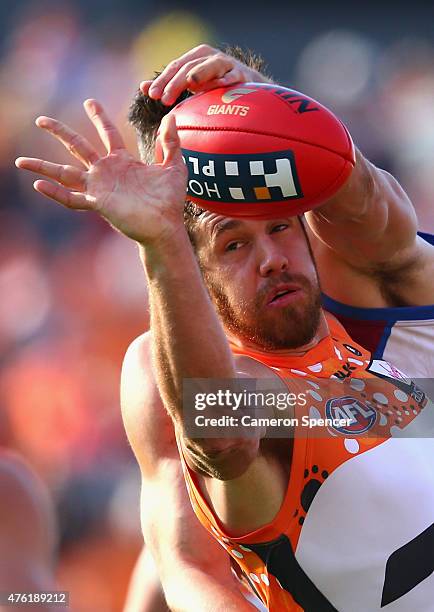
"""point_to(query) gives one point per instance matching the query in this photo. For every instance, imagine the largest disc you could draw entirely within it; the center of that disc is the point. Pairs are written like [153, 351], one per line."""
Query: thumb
[169, 140]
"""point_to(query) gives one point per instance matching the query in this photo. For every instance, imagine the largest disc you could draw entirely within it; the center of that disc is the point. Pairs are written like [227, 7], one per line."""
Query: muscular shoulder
[147, 424]
[139, 392]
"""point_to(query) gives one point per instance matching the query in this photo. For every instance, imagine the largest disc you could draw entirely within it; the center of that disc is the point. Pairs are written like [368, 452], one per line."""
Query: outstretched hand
[144, 202]
[200, 69]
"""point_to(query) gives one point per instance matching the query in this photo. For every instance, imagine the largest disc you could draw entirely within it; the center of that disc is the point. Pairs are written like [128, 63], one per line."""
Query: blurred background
[72, 294]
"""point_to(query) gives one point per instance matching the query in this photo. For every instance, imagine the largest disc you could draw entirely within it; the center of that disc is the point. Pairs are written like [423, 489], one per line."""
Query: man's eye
[233, 246]
[279, 228]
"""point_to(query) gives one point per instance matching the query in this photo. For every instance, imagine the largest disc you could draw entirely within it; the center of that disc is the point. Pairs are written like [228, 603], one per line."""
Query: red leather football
[261, 151]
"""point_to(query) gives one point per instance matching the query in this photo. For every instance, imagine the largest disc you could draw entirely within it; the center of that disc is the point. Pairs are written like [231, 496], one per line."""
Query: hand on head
[200, 69]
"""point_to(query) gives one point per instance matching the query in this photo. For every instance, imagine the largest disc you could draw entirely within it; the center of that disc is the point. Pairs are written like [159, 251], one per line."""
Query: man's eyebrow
[224, 226]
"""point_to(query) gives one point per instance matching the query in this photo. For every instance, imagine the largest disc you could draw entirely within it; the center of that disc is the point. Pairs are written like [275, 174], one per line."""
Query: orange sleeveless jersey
[355, 532]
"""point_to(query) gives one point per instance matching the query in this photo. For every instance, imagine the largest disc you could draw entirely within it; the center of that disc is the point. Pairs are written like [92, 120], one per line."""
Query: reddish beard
[289, 327]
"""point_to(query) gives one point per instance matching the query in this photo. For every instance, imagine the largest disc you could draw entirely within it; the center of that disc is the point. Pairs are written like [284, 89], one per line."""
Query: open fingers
[107, 131]
[70, 199]
[77, 145]
[159, 84]
[68, 176]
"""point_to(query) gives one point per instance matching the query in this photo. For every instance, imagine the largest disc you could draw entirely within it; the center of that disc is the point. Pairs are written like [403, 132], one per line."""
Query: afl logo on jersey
[362, 416]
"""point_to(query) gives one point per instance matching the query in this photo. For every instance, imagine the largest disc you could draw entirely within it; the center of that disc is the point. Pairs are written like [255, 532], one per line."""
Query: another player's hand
[144, 202]
[199, 69]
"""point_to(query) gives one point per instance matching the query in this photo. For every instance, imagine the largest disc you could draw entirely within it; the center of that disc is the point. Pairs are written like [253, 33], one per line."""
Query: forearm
[193, 568]
[188, 340]
[353, 200]
[189, 588]
[370, 210]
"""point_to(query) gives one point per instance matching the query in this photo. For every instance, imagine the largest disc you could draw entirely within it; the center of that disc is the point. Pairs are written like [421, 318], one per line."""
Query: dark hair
[145, 115]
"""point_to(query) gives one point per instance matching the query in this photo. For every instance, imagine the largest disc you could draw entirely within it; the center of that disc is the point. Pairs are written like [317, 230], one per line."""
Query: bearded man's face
[262, 279]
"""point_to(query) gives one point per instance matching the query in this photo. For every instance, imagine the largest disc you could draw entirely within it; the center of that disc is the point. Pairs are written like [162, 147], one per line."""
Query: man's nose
[271, 258]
